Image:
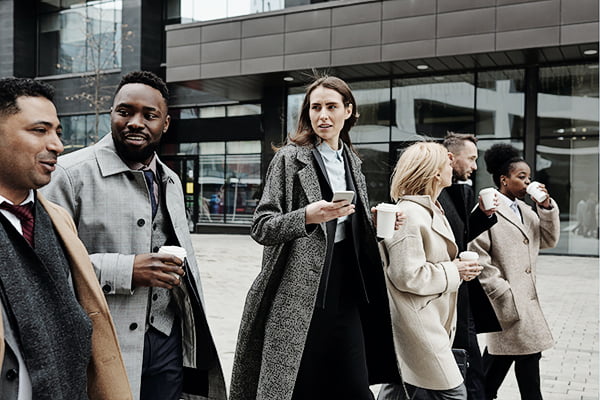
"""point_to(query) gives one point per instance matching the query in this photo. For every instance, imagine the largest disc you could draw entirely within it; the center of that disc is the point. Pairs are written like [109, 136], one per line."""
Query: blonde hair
[417, 168]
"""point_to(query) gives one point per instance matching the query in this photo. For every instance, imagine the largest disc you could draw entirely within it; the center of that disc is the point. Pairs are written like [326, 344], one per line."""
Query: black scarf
[53, 330]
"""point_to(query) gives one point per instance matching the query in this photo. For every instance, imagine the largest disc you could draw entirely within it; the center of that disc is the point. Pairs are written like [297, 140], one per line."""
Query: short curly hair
[13, 88]
[146, 78]
[500, 160]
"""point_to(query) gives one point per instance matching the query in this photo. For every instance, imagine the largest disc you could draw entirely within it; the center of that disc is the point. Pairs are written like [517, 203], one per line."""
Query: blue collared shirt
[512, 204]
[334, 164]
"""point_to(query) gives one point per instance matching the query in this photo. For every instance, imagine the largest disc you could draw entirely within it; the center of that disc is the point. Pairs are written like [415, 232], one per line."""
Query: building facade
[517, 71]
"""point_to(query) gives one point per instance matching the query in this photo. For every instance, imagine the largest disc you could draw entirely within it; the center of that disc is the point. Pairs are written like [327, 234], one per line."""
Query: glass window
[500, 104]
[205, 10]
[374, 108]
[376, 169]
[212, 112]
[83, 130]
[244, 109]
[431, 106]
[79, 37]
[228, 179]
[567, 153]
[294, 103]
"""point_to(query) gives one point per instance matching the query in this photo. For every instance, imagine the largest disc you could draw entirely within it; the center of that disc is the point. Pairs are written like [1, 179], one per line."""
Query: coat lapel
[507, 213]
[308, 175]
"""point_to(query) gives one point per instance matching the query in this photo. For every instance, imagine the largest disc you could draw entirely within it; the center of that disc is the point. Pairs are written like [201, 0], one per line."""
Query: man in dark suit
[467, 222]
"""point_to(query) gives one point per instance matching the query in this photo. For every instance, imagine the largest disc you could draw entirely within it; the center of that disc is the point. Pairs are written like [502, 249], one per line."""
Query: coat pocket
[505, 308]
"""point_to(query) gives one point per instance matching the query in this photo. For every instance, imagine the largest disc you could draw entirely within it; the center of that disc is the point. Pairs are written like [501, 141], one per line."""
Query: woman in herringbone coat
[508, 253]
[316, 323]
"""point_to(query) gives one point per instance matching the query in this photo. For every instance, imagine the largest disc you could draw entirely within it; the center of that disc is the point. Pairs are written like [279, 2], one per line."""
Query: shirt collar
[29, 199]
[136, 166]
[328, 153]
[511, 203]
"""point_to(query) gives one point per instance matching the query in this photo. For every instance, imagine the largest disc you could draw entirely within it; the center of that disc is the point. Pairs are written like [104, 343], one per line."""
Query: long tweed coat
[107, 378]
[508, 253]
[111, 208]
[281, 301]
[422, 284]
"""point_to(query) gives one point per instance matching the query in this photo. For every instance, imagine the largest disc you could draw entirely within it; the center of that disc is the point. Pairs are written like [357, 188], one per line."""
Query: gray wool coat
[111, 208]
[508, 253]
[280, 303]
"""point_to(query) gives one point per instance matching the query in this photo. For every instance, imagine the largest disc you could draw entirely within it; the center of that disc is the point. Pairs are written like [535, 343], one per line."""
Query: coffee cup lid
[386, 207]
[468, 255]
[177, 251]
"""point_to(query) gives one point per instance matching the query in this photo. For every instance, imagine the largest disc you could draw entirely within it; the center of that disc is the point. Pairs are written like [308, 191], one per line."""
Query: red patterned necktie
[25, 215]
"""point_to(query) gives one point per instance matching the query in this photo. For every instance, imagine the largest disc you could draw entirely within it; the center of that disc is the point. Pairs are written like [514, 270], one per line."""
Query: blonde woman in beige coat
[508, 252]
[423, 276]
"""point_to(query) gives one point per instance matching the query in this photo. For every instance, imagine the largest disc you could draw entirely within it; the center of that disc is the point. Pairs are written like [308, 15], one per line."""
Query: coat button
[12, 374]
[151, 320]
[526, 241]
[133, 326]
[154, 297]
[155, 249]
[106, 288]
[141, 222]
[527, 271]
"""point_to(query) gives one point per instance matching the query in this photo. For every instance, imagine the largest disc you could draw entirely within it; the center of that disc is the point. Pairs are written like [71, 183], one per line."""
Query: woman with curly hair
[508, 252]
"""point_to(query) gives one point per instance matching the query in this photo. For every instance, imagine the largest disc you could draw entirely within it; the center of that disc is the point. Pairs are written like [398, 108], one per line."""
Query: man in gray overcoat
[127, 204]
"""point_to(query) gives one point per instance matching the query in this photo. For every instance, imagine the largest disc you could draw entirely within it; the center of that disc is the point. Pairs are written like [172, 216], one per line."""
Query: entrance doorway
[186, 167]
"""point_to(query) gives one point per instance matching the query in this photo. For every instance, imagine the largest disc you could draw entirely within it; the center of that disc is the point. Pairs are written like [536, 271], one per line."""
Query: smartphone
[343, 195]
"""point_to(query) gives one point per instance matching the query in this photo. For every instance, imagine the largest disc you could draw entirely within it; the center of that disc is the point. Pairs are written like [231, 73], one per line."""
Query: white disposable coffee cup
[386, 219]
[468, 256]
[533, 189]
[176, 251]
[487, 197]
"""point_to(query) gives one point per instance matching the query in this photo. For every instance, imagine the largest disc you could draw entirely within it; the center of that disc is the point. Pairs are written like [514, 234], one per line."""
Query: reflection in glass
[567, 153]
[374, 107]
[500, 104]
[376, 169]
[80, 38]
[205, 10]
[431, 106]
[228, 180]
[80, 130]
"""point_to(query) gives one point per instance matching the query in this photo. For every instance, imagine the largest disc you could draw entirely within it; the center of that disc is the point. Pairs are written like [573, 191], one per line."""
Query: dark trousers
[162, 368]
[475, 379]
[334, 364]
[527, 372]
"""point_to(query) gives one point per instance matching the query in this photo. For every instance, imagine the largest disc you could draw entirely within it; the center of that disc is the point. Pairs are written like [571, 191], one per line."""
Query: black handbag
[462, 360]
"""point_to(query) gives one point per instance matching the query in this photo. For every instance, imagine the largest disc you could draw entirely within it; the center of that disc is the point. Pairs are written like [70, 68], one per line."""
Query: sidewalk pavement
[567, 286]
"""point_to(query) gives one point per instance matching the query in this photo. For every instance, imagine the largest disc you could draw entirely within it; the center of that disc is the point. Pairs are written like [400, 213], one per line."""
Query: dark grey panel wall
[6, 39]
[357, 32]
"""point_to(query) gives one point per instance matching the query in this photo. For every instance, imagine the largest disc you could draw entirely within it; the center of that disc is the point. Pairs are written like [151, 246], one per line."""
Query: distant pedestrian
[316, 324]
[423, 275]
[508, 252]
